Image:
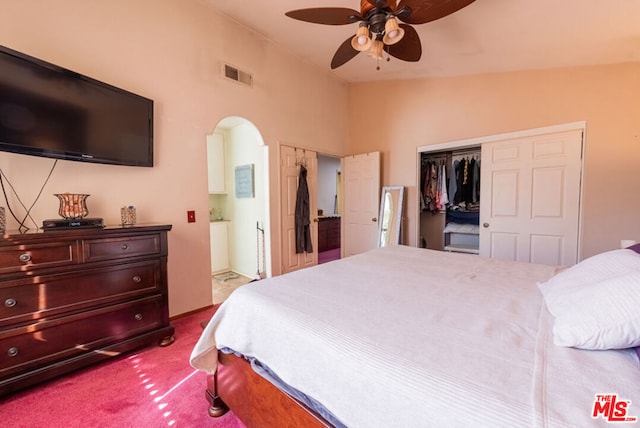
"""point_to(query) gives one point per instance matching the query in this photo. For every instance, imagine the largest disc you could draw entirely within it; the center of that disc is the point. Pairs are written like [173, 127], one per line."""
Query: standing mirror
[390, 215]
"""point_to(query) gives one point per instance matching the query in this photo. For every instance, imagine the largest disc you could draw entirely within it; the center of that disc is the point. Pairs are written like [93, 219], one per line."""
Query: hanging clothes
[467, 187]
[434, 196]
[302, 215]
[453, 180]
[443, 196]
[475, 196]
[461, 179]
[430, 188]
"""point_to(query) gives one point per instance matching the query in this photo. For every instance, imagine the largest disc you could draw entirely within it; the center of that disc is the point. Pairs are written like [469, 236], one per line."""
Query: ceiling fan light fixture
[361, 41]
[376, 50]
[392, 31]
[379, 26]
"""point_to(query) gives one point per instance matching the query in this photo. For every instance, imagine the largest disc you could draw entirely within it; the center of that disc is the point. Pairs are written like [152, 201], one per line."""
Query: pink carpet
[329, 255]
[155, 387]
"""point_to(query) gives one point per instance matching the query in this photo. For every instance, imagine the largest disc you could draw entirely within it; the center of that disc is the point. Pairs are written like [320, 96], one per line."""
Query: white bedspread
[407, 337]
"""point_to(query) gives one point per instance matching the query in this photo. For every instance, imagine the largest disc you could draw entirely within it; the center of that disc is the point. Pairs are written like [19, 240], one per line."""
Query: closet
[450, 200]
[521, 200]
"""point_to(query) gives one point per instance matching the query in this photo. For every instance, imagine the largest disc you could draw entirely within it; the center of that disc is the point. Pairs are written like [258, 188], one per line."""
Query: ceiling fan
[379, 28]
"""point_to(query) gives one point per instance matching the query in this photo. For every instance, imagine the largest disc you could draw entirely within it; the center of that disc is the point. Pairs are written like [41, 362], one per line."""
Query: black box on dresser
[70, 298]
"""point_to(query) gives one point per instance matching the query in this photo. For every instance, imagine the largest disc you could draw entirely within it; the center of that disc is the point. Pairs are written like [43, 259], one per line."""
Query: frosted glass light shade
[392, 32]
[376, 49]
[361, 41]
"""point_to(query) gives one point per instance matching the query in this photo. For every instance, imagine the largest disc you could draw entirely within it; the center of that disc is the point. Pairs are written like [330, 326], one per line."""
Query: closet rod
[435, 156]
[465, 152]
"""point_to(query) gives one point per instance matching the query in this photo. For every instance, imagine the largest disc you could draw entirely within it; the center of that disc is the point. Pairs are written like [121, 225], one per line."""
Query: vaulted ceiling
[486, 36]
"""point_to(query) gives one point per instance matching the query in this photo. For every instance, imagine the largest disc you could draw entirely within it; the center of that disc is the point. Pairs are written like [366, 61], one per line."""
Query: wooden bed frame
[255, 400]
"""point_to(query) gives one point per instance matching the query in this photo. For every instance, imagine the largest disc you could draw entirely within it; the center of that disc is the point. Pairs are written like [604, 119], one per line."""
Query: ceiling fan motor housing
[377, 16]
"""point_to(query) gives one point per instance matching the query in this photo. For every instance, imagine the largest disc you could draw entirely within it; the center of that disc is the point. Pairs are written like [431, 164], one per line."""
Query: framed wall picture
[244, 181]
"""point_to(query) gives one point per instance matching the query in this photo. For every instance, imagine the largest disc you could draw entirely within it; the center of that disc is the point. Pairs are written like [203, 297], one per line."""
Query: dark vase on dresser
[70, 298]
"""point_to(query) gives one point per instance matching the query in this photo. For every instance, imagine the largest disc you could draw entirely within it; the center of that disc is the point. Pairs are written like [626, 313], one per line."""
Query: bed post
[217, 407]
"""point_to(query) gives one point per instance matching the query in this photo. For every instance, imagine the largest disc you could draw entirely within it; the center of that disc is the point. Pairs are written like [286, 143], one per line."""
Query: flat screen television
[47, 110]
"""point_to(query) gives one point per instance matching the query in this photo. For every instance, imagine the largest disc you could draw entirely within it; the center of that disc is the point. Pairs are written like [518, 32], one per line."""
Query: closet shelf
[459, 248]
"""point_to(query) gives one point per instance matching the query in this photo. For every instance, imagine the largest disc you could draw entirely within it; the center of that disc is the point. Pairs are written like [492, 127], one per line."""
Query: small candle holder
[128, 216]
[72, 205]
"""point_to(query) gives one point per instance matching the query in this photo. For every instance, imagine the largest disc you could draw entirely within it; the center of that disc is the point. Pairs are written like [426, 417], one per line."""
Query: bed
[409, 337]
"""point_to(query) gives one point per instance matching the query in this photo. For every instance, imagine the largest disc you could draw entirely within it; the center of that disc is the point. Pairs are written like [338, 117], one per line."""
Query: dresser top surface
[10, 235]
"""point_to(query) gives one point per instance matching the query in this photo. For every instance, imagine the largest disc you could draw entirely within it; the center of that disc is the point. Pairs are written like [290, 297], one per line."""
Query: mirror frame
[397, 215]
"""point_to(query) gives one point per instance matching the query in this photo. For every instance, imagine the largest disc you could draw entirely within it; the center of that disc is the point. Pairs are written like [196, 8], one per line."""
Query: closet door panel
[505, 245]
[546, 249]
[504, 194]
[547, 193]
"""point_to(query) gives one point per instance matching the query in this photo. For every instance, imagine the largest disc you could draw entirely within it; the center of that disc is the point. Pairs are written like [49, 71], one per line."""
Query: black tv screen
[47, 110]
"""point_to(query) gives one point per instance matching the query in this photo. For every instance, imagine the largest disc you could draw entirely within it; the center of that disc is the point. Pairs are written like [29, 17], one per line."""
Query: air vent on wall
[231, 72]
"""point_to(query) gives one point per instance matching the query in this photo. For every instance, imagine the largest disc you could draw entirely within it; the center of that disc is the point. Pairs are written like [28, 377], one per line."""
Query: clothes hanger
[301, 161]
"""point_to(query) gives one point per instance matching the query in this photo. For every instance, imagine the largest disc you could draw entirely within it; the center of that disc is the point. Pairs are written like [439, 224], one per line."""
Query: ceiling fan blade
[345, 53]
[423, 11]
[326, 15]
[407, 49]
[367, 5]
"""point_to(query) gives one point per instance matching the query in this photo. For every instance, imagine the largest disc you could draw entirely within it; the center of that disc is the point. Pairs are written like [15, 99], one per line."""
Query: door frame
[281, 147]
[478, 141]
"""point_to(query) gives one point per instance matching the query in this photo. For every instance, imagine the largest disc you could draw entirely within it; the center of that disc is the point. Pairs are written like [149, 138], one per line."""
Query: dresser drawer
[26, 300]
[16, 258]
[118, 248]
[45, 342]
[333, 233]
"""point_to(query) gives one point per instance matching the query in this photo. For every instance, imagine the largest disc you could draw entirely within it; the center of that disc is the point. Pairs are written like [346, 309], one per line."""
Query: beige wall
[170, 51]
[422, 112]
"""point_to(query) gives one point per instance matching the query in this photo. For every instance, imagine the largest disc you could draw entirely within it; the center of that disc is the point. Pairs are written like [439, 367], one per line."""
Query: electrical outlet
[191, 216]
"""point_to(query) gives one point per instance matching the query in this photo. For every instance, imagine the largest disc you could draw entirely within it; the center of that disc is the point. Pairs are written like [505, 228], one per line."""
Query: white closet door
[530, 198]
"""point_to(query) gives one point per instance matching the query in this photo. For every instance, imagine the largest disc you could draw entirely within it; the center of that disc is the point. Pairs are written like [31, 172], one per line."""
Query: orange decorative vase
[72, 205]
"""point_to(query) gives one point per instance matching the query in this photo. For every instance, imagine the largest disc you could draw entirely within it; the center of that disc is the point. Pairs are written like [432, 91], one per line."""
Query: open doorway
[238, 205]
[329, 177]
[299, 165]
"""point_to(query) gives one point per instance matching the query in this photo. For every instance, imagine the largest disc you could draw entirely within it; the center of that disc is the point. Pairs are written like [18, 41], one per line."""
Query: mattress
[408, 337]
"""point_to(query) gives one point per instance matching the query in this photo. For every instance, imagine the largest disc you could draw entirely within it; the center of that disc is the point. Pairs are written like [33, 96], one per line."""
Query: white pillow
[596, 303]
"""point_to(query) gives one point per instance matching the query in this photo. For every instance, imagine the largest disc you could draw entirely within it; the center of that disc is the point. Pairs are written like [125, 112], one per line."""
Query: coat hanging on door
[302, 220]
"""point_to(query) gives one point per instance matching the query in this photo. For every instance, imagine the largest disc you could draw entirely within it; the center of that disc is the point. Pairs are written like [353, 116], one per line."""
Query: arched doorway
[238, 166]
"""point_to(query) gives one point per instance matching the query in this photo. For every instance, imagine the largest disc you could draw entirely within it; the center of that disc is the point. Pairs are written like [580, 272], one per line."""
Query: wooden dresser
[71, 298]
[328, 233]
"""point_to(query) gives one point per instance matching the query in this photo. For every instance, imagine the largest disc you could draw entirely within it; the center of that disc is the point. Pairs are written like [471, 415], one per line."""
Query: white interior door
[530, 198]
[361, 203]
[290, 159]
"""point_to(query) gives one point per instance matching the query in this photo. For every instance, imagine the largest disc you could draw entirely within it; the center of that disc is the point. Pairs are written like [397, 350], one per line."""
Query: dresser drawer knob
[10, 303]
[124, 246]
[138, 317]
[25, 257]
[137, 278]
[12, 352]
